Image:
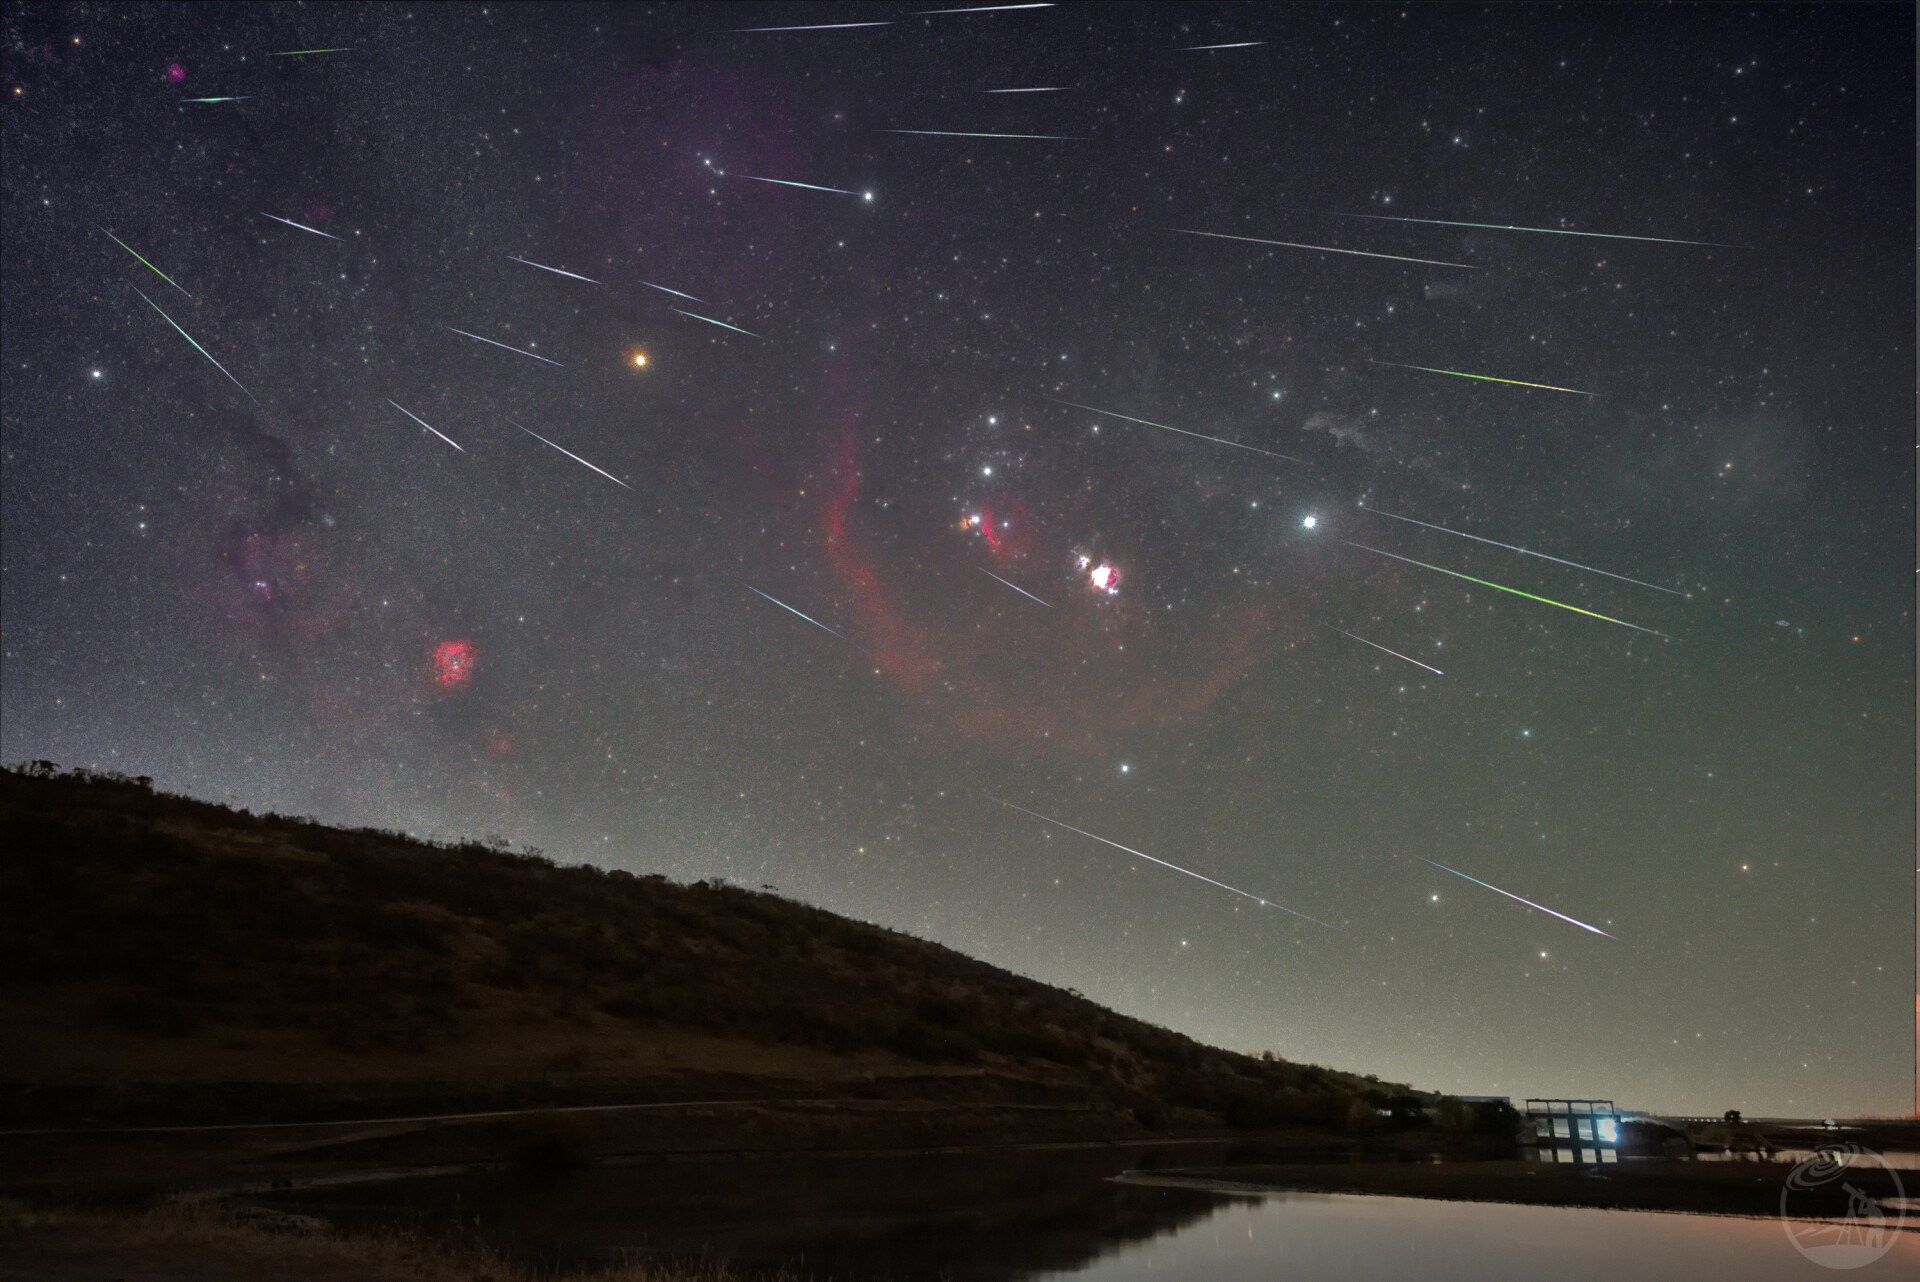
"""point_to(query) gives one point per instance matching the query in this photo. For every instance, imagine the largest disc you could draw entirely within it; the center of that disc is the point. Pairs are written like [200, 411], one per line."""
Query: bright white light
[867, 195]
[1125, 768]
[986, 471]
[96, 374]
[1311, 521]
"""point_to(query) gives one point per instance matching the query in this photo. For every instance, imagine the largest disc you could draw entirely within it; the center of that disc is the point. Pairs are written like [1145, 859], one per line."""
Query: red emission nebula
[985, 665]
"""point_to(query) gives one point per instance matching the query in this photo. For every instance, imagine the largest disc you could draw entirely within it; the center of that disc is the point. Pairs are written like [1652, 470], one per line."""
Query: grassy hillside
[165, 958]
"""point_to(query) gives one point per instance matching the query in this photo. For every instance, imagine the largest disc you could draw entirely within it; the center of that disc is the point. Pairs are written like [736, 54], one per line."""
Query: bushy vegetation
[185, 915]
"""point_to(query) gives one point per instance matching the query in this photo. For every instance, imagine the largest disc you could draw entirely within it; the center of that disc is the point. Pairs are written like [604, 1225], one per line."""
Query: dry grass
[215, 1244]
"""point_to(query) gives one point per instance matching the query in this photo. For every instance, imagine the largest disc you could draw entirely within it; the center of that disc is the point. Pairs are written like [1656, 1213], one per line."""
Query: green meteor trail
[1485, 378]
[1551, 231]
[156, 271]
[711, 321]
[196, 347]
[1502, 588]
[809, 186]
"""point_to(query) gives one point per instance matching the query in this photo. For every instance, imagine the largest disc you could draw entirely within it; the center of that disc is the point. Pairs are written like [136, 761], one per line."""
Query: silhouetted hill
[166, 958]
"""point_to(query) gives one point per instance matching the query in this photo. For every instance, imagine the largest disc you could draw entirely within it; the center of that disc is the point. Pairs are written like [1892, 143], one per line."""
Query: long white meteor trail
[676, 293]
[1015, 586]
[1243, 44]
[302, 226]
[196, 347]
[954, 133]
[1042, 89]
[1325, 249]
[1264, 903]
[1512, 548]
[523, 351]
[1376, 645]
[809, 186]
[1553, 231]
[722, 324]
[981, 8]
[430, 427]
[818, 26]
[1220, 440]
[784, 606]
[575, 457]
[1510, 895]
[555, 270]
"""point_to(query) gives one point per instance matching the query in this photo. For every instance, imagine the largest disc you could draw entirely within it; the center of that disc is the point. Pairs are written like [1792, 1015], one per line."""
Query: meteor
[1511, 548]
[1221, 440]
[430, 427]
[297, 53]
[302, 226]
[722, 324]
[156, 271]
[575, 457]
[196, 347]
[1244, 44]
[1485, 378]
[1325, 249]
[1554, 231]
[555, 270]
[818, 26]
[663, 289]
[950, 133]
[983, 8]
[784, 606]
[463, 333]
[1516, 591]
[1016, 587]
[241, 98]
[1395, 653]
[809, 186]
[1047, 89]
[1264, 903]
[1510, 895]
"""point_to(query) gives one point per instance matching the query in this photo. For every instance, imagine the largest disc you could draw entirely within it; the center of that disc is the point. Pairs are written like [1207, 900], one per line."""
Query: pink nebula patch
[454, 663]
[176, 73]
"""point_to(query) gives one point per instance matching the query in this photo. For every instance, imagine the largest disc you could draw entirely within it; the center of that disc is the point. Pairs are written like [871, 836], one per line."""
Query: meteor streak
[1221, 440]
[302, 226]
[242, 98]
[422, 422]
[1510, 895]
[1554, 231]
[295, 53]
[784, 606]
[1511, 548]
[575, 457]
[722, 324]
[983, 8]
[1376, 645]
[156, 271]
[809, 186]
[818, 26]
[463, 333]
[1325, 249]
[676, 293]
[1016, 587]
[1516, 591]
[1485, 378]
[196, 347]
[950, 133]
[1046, 89]
[1244, 44]
[1264, 903]
[555, 270]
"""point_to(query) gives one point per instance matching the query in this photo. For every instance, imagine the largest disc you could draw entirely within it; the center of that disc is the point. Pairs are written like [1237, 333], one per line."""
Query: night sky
[270, 583]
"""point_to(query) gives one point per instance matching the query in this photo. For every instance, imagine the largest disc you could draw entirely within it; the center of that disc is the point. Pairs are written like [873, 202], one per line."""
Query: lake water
[1007, 1217]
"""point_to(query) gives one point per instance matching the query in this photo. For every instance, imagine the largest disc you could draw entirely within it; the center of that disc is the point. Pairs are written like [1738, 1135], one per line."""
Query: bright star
[1311, 521]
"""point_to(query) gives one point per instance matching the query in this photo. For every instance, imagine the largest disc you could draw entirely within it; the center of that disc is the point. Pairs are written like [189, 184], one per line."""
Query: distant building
[1581, 1131]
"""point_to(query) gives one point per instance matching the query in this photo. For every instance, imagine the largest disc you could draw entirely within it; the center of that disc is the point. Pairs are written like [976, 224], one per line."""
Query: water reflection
[1330, 1237]
[998, 1217]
